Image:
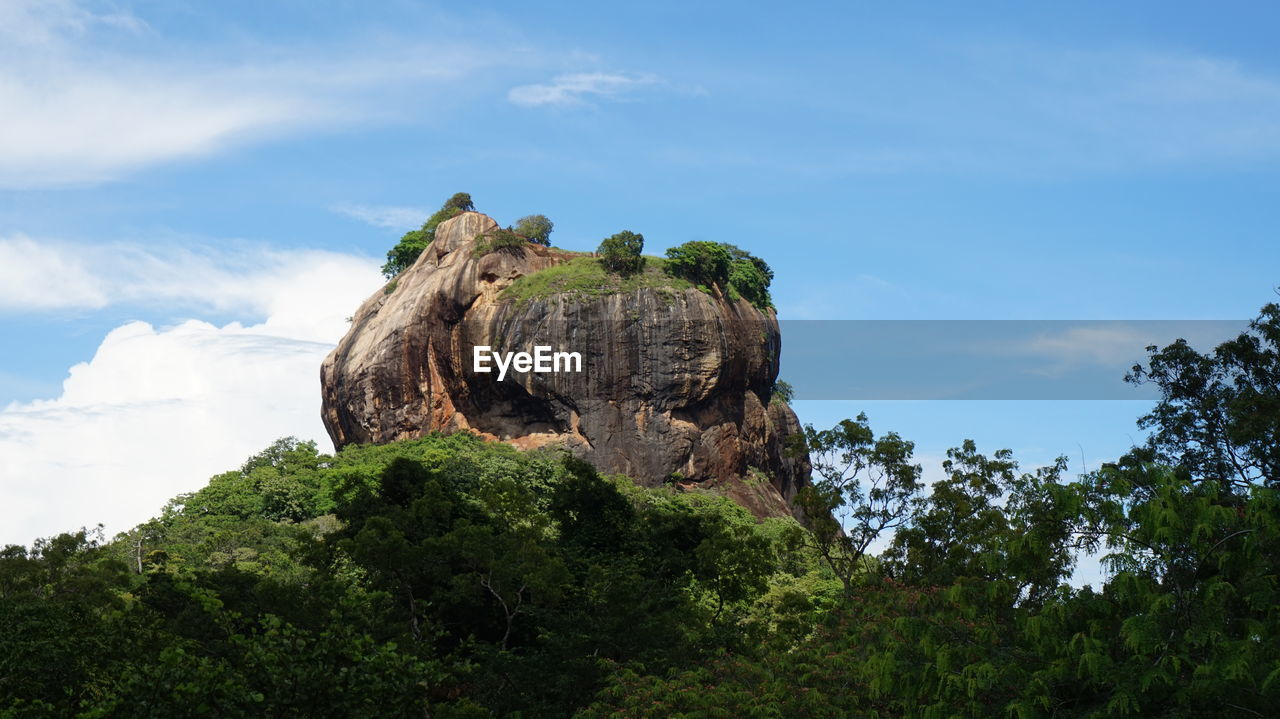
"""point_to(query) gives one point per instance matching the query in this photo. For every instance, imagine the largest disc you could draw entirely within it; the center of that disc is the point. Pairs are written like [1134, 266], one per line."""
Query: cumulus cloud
[390, 217]
[576, 88]
[158, 410]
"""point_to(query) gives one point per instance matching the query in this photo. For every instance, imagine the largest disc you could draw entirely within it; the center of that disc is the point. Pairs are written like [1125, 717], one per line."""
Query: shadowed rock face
[672, 381]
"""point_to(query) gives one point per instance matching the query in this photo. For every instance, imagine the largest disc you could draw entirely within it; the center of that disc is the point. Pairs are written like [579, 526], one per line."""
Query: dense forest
[449, 577]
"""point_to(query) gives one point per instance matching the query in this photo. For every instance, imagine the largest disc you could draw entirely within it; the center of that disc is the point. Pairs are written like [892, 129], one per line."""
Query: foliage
[444, 575]
[865, 487]
[460, 201]
[783, 392]
[498, 239]
[621, 253]
[735, 271]
[451, 577]
[535, 228]
[1219, 412]
[986, 522]
[750, 278]
[411, 245]
[701, 262]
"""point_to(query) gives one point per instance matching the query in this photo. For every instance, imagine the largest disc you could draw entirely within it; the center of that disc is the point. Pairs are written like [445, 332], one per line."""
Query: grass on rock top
[585, 278]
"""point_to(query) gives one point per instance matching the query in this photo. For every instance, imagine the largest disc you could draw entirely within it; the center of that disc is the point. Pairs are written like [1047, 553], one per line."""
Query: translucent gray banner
[980, 359]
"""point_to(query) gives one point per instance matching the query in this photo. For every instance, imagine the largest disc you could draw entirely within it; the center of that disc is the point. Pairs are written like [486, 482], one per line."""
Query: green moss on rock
[584, 278]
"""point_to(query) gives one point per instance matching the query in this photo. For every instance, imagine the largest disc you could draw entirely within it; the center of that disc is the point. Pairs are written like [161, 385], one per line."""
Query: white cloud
[1097, 344]
[1105, 343]
[43, 275]
[390, 217]
[92, 126]
[38, 23]
[79, 110]
[157, 411]
[36, 277]
[574, 89]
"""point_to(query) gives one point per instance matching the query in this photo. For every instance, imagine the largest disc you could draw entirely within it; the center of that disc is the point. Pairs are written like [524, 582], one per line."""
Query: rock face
[674, 387]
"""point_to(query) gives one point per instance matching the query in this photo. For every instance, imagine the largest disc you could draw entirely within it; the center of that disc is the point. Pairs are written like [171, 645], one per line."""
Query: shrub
[620, 253]
[411, 245]
[783, 392]
[496, 240]
[535, 228]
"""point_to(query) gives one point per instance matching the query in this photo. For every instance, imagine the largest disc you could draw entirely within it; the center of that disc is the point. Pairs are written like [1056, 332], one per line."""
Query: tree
[460, 201]
[867, 487]
[703, 263]
[406, 252]
[535, 228]
[1219, 414]
[747, 279]
[620, 253]
[734, 270]
[986, 522]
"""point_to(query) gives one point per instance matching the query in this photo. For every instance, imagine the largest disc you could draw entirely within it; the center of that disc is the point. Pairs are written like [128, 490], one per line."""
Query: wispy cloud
[36, 23]
[83, 108]
[1098, 344]
[1057, 348]
[54, 275]
[388, 216]
[577, 88]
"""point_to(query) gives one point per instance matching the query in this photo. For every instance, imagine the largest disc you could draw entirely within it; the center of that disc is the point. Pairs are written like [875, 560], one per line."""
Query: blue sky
[193, 195]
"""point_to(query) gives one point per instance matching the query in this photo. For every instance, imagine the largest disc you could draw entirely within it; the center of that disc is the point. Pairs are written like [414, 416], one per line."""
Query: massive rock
[675, 385]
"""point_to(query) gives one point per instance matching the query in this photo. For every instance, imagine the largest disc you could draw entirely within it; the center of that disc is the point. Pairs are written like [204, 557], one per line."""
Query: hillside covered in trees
[450, 577]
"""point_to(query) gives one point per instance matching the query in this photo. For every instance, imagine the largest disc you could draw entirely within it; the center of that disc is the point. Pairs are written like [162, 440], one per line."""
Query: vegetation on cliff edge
[584, 278]
[732, 269]
[411, 245]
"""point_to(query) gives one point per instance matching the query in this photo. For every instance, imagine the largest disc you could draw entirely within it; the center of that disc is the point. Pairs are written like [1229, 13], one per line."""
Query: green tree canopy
[734, 270]
[535, 228]
[621, 253]
[411, 245]
[452, 577]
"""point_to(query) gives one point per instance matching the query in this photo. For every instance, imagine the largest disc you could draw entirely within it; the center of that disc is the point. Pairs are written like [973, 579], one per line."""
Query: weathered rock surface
[673, 381]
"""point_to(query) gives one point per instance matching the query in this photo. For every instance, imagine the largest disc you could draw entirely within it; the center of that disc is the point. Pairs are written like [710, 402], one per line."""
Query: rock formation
[675, 383]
